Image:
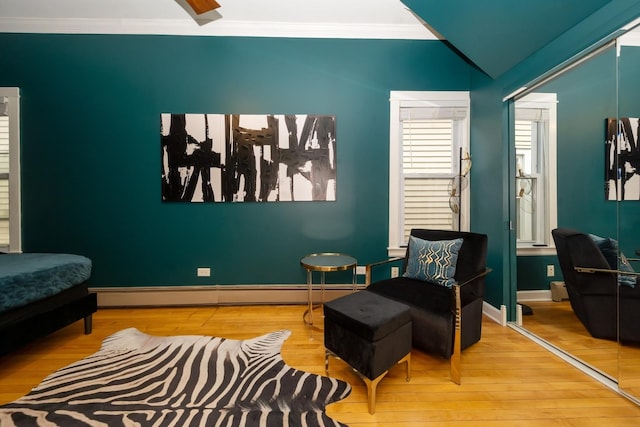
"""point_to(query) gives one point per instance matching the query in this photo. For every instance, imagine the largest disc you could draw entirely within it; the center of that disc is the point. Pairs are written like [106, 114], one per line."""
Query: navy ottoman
[369, 332]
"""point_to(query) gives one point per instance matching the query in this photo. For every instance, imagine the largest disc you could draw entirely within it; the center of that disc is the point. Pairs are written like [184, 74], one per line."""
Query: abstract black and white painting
[248, 157]
[622, 159]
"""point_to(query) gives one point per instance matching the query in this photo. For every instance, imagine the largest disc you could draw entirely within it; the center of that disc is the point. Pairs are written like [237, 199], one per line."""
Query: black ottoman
[369, 332]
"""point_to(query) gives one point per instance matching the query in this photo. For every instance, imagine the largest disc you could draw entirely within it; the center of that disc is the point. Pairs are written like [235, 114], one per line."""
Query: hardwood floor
[556, 323]
[507, 379]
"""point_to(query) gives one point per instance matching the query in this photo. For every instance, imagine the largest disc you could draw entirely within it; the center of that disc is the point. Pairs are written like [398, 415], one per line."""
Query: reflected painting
[622, 179]
[248, 157]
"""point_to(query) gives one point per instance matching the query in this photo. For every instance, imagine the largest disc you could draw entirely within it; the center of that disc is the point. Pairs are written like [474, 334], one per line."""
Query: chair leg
[88, 324]
[455, 361]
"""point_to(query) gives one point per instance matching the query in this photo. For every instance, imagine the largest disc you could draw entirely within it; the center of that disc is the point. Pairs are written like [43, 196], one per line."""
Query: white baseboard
[492, 312]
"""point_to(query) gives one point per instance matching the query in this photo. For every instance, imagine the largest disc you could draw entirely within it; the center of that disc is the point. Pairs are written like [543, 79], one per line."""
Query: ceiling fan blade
[202, 6]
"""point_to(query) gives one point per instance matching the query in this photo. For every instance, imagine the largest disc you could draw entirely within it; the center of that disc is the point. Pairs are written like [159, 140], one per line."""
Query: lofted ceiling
[279, 18]
[495, 35]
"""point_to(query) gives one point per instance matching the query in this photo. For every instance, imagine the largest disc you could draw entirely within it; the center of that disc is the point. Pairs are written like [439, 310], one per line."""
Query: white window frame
[10, 106]
[549, 215]
[403, 99]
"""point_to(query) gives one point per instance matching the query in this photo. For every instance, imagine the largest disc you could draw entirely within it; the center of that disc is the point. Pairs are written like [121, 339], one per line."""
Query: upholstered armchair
[589, 267]
[444, 291]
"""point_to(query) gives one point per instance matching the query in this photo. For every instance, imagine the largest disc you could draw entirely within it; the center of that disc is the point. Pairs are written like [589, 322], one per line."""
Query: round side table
[324, 262]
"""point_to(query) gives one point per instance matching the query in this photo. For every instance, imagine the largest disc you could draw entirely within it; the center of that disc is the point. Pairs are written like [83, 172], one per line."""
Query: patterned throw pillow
[611, 252]
[433, 261]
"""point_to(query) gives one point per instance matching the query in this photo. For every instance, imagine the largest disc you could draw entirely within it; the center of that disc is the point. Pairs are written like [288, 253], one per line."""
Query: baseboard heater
[156, 296]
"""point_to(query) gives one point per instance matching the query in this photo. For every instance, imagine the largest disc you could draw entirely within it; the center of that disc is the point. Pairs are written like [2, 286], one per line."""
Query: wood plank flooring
[556, 323]
[507, 380]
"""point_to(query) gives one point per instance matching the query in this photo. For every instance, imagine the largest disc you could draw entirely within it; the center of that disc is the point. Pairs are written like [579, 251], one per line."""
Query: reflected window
[535, 142]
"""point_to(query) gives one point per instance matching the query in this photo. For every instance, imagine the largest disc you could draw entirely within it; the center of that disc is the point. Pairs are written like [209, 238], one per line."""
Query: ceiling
[498, 34]
[383, 19]
[495, 35]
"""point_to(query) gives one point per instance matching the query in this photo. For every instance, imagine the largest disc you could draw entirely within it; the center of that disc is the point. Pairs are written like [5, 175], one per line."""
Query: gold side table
[324, 262]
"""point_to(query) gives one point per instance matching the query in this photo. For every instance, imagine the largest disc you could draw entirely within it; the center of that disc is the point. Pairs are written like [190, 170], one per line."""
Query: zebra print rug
[140, 380]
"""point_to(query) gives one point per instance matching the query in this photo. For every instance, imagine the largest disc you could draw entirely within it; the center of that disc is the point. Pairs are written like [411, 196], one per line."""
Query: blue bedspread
[25, 278]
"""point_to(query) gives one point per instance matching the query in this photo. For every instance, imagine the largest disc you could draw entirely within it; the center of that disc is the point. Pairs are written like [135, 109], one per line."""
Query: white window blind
[428, 129]
[427, 169]
[4, 177]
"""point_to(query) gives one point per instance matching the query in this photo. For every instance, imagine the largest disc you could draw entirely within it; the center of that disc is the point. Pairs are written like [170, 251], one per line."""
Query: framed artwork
[248, 157]
[622, 159]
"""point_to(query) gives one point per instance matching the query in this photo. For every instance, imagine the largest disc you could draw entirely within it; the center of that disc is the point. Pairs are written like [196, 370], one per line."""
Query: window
[535, 142]
[429, 164]
[10, 238]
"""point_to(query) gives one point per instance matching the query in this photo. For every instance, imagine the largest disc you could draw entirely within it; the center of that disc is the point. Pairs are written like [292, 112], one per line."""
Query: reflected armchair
[593, 287]
[447, 317]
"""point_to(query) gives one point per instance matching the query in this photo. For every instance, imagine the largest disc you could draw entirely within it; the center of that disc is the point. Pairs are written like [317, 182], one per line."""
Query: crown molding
[216, 28]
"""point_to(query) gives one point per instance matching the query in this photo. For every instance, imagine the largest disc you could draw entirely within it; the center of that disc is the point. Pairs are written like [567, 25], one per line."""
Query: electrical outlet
[551, 270]
[203, 272]
[395, 271]
[361, 269]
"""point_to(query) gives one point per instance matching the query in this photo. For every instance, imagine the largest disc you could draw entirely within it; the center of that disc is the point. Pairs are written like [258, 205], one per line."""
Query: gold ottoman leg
[407, 359]
[372, 386]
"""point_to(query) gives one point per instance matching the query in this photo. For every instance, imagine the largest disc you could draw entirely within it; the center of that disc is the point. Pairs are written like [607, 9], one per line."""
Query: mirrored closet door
[577, 166]
[627, 186]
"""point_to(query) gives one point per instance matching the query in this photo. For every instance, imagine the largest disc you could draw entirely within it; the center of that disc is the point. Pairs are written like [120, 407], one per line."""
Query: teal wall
[488, 175]
[91, 148]
[491, 134]
[90, 116]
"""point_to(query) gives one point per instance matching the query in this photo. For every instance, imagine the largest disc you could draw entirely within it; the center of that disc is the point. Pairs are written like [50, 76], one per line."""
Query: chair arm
[591, 270]
[474, 277]
[369, 268]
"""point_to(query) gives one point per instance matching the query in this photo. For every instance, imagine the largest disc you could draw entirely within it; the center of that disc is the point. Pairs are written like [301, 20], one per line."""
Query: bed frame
[40, 318]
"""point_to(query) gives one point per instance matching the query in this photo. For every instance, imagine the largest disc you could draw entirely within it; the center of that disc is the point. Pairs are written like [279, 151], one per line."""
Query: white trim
[190, 27]
[536, 251]
[630, 39]
[491, 312]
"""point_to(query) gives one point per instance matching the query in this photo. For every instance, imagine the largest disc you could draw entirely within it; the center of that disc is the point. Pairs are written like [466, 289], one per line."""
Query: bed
[41, 293]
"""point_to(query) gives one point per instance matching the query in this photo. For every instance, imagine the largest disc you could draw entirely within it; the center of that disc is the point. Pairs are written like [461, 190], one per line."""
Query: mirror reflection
[628, 192]
[585, 97]
[576, 148]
